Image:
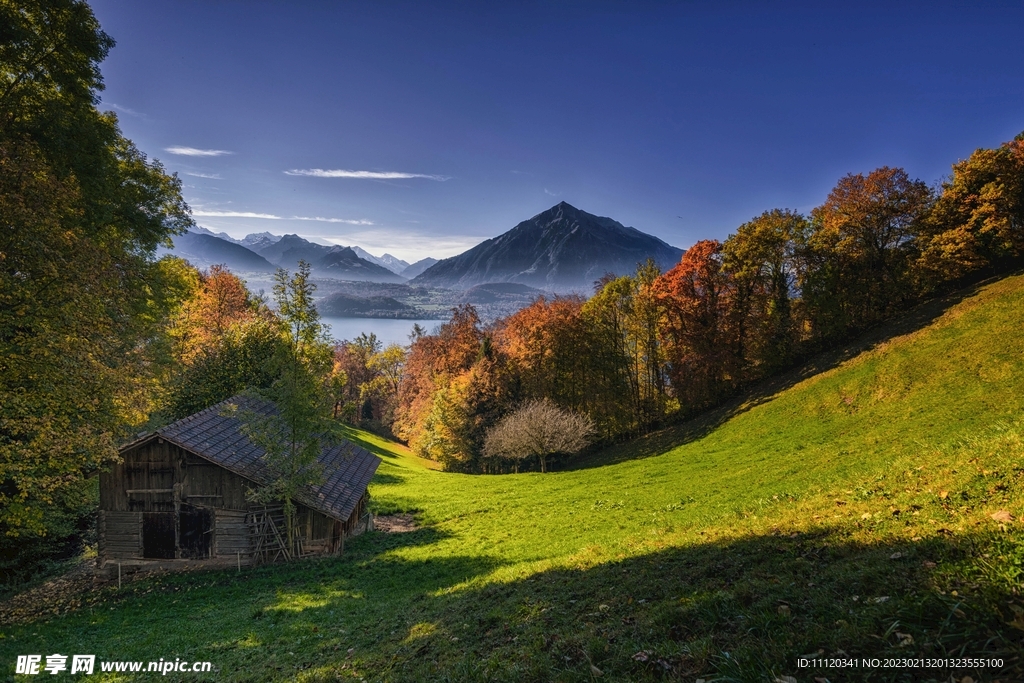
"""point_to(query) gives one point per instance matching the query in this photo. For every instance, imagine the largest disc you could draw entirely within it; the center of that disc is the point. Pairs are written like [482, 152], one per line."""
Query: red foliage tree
[698, 333]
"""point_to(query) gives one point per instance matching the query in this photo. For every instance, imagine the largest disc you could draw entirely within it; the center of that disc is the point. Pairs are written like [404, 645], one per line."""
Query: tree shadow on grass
[736, 610]
[356, 437]
[694, 429]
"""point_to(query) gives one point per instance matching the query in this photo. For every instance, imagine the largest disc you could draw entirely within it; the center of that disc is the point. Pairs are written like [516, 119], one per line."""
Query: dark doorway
[196, 532]
[158, 535]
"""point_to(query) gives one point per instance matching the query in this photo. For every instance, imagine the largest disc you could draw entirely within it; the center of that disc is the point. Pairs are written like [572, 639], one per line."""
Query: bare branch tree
[538, 428]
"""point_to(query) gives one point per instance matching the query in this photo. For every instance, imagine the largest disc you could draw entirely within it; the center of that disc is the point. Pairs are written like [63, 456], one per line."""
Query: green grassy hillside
[870, 509]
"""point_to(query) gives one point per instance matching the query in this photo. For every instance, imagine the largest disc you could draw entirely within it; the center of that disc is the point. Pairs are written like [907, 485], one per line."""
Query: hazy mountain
[336, 262]
[199, 230]
[258, 240]
[418, 267]
[392, 263]
[343, 263]
[561, 249]
[203, 250]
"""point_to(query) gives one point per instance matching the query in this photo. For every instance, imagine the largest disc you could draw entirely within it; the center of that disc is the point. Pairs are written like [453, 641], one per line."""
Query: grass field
[868, 506]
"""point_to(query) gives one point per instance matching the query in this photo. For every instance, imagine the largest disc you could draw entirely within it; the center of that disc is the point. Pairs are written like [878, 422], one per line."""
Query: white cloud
[349, 221]
[363, 175]
[125, 110]
[193, 152]
[273, 217]
[236, 214]
[550, 193]
[410, 245]
[211, 176]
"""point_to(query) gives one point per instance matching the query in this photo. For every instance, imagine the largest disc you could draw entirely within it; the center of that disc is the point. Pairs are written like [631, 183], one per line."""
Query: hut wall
[233, 534]
[120, 535]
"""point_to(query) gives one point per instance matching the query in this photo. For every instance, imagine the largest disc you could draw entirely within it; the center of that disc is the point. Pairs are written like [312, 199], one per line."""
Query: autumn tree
[760, 258]
[353, 358]
[858, 249]
[544, 344]
[626, 379]
[373, 376]
[83, 212]
[538, 429]
[222, 341]
[978, 219]
[699, 334]
[452, 390]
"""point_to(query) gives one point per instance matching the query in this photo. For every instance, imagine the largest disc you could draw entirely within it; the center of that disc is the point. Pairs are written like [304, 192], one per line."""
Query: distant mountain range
[561, 249]
[204, 250]
[265, 253]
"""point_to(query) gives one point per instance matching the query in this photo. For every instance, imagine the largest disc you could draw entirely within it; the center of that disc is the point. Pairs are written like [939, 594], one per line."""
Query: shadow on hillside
[354, 436]
[369, 546]
[742, 609]
[739, 610]
[694, 429]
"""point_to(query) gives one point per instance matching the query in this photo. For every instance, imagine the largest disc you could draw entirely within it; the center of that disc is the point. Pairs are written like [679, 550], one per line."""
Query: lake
[388, 330]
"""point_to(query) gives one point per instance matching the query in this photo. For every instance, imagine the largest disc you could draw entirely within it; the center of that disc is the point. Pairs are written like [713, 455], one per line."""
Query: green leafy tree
[301, 424]
[761, 259]
[81, 293]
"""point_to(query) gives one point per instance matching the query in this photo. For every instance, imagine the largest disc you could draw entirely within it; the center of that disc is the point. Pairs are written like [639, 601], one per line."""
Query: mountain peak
[560, 249]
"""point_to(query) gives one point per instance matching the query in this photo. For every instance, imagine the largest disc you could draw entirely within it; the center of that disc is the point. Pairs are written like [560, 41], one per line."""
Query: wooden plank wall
[232, 534]
[120, 535]
[146, 479]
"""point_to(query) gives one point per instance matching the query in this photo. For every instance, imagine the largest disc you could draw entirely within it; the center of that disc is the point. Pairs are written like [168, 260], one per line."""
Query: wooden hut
[179, 496]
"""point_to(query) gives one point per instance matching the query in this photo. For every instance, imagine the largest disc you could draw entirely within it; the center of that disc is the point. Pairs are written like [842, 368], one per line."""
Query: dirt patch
[394, 524]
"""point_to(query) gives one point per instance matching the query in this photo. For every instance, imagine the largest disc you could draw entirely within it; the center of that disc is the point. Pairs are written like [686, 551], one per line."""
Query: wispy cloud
[411, 245]
[550, 193]
[273, 217]
[363, 175]
[349, 221]
[125, 110]
[211, 176]
[193, 152]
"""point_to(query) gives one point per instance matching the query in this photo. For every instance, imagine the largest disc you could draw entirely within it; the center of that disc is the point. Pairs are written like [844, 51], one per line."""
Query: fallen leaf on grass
[943, 495]
[1002, 516]
[594, 670]
[786, 679]
[879, 600]
[784, 610]
[928, 564]
[896, 556]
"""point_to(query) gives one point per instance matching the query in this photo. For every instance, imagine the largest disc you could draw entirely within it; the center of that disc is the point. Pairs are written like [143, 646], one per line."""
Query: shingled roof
[215, 435]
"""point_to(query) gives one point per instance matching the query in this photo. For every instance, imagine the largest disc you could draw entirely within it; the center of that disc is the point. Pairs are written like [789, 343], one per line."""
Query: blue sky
[421, 129]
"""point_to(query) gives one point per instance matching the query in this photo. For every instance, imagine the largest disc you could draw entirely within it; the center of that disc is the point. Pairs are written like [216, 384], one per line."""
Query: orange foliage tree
[699, 332]
[451, 392]
[859, 248]
[978, 221]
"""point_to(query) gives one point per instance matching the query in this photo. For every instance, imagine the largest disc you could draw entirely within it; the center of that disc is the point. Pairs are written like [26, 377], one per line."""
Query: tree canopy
[82, 213]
